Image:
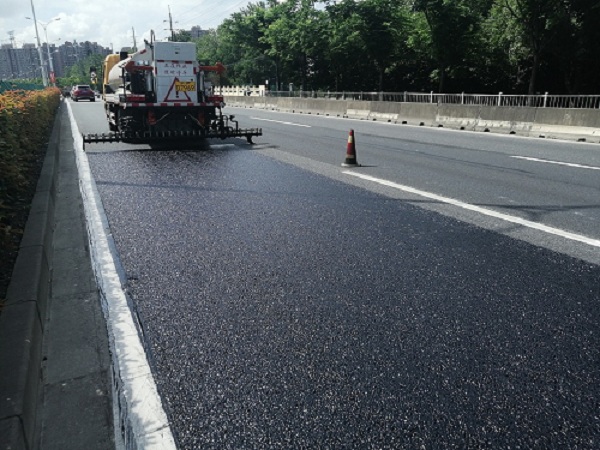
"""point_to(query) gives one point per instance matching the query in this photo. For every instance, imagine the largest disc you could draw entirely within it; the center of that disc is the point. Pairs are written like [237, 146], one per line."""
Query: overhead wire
[210, 11]
[209, 18]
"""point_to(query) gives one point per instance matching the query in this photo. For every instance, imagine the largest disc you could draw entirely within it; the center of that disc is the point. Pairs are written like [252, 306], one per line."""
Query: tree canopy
[513, 46]
[79, 73]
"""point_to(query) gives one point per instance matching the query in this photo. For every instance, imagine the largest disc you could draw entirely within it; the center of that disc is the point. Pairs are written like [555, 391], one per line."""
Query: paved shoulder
[77, 405]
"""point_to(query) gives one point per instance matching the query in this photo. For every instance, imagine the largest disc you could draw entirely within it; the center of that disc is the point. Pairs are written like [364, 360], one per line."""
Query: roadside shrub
[26, 118]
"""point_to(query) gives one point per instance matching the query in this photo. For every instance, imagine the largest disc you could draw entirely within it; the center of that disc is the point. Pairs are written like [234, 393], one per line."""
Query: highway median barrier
[356, 109]
[566, 123]
[385, 111]
[560, 123]
[504, 119]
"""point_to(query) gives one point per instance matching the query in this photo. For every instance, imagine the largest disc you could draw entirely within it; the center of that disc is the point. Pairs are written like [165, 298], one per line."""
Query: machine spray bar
[144, 137]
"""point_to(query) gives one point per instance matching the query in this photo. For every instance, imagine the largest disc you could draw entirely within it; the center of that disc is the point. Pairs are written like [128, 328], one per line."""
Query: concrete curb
[140, 419]
[23, 317]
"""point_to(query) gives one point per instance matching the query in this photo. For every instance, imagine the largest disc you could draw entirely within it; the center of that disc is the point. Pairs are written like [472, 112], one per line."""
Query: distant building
[19, 62]
[24, 62]
[197, 32]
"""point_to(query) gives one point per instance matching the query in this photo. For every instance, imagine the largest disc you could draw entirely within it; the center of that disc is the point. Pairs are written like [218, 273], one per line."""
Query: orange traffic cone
[350, 152]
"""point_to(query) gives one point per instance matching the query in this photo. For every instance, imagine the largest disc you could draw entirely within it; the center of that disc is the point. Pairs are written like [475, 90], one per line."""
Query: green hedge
[26, 118]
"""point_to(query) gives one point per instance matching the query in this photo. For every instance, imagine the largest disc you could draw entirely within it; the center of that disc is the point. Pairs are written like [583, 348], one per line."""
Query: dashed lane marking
[579, 166]
[282, 122]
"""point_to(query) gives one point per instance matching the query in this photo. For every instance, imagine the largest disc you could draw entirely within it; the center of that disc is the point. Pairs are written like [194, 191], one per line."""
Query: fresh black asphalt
[285, 310]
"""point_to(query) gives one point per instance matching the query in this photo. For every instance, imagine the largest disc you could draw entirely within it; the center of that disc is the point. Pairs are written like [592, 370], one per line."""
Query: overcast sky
[109, 22]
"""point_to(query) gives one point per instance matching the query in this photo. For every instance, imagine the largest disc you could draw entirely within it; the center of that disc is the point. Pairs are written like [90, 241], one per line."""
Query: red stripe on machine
[145, 105]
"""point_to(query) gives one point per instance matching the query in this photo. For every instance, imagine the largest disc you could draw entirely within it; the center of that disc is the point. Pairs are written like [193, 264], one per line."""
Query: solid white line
[283, 122]
[141, 415]
[485, 211]
[579, 166]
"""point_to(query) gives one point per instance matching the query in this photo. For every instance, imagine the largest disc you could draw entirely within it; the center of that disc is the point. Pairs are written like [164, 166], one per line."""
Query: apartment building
[24, 62]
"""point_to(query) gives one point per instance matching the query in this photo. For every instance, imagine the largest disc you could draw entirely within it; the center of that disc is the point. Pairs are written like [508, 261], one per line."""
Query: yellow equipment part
[109, 63]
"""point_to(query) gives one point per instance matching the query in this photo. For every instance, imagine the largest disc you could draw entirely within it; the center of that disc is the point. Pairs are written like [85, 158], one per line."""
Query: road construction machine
[163, 93]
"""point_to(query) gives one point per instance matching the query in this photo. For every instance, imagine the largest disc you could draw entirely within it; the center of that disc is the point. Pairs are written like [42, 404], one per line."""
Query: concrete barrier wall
[506, 119]
[419, 113]
[386, 111]
[461, 117]
[328, 107]
[569, 117]
[24, 314]
[286, 104]
[563, 123]
[358, 110]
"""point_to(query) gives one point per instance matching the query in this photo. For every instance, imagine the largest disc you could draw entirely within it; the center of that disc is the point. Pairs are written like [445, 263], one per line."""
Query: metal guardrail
[535, 101]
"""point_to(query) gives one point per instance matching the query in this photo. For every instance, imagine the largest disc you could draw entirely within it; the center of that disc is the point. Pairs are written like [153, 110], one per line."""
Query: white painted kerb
[140, 411]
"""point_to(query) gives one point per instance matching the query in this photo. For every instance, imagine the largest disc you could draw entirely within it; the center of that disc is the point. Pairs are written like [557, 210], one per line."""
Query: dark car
[83, 92]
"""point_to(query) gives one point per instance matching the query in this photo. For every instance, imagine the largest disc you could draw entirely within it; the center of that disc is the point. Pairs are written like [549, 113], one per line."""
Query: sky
[88, 20]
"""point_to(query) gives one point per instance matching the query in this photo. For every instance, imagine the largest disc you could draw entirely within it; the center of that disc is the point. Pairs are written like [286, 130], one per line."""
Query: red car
[83, 91]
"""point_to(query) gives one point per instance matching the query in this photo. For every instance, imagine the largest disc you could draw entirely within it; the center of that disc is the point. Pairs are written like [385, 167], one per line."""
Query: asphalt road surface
[287, 302]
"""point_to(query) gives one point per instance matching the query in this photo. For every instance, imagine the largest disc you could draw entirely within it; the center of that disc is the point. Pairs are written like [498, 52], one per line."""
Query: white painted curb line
[142, 421]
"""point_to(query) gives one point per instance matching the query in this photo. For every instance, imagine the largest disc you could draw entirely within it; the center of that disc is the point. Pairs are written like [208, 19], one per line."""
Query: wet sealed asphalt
[282, 309]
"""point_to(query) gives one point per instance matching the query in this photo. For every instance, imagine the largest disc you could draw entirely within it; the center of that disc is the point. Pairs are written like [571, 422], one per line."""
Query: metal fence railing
[538, 101]
[10, 85]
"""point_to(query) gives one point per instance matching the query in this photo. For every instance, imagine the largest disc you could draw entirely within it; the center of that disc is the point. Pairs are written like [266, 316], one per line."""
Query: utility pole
[134, 41]
[12, 60]
[39, 47]
[171, 24]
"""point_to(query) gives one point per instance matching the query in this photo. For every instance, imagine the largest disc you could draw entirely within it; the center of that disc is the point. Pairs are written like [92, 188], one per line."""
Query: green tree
[458, 45]
[181, 36]
[296, 39]
[453, 26]
[536, 20]
[240, 43]
[383, 32]
[574, 50]
[346, 51]
[79, 73]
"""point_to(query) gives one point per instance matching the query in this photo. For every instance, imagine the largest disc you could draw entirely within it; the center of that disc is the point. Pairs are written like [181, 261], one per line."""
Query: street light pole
[50, 63]
[50, 73]
[39, 47]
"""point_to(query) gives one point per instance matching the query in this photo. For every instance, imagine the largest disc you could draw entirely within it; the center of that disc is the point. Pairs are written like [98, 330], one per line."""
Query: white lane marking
[579, 166]
[282, 122]
[478, 209]
[141, 414]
